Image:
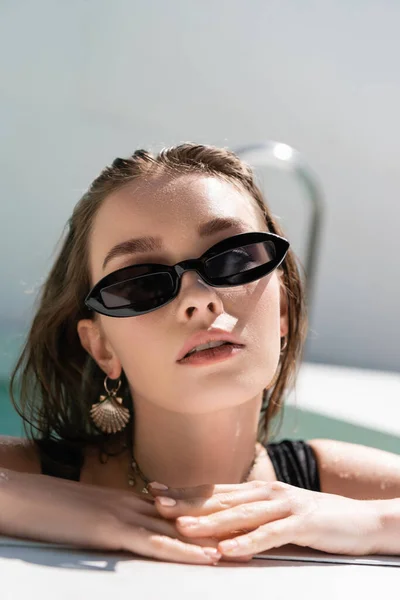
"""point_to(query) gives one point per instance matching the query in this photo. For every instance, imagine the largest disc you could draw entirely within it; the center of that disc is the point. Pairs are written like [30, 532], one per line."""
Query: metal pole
[280, 155]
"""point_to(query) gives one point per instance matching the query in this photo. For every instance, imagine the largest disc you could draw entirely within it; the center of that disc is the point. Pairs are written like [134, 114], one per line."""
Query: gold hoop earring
[285, 344]
[108, 414]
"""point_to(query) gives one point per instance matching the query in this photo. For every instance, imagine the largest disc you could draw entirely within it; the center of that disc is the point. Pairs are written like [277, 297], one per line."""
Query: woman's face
[146, 347]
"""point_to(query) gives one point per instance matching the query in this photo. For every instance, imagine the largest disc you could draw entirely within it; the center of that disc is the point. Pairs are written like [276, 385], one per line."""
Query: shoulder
[59, 459]
[19, 454]
[356, 471]
[49, 457]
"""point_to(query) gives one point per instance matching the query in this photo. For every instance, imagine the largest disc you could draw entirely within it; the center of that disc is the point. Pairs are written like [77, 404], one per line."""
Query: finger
[200, 490]
[163, 527]
[246, 558]
[271, 535]
[140, 541]
[135, 502]
[245, 517]
[200, 506]
[132, 504]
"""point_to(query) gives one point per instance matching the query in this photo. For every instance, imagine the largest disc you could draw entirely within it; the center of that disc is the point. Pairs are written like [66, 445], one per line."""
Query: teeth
[205, 346]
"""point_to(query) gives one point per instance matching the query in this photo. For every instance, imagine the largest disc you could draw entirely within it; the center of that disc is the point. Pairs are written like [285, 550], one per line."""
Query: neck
[182, 450]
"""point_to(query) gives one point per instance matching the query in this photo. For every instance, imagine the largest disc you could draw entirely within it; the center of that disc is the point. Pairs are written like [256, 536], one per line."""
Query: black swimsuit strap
[295, 463]
[59, 459]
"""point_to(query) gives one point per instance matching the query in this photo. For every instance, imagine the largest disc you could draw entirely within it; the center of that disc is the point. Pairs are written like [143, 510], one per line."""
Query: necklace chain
[136, 473]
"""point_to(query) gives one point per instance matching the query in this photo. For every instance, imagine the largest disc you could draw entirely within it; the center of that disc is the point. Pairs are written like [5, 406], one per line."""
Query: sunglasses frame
[94, 302]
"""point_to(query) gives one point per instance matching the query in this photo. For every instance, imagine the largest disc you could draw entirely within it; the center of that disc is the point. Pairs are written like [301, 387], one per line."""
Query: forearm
[14, 504]
[42, 508]
[20, 514]
[388, 533]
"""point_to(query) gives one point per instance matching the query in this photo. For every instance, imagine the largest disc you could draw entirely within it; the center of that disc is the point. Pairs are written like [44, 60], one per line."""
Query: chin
[215, 398]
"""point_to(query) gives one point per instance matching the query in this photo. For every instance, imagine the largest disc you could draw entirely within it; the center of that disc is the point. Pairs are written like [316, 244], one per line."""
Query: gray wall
[84, 81]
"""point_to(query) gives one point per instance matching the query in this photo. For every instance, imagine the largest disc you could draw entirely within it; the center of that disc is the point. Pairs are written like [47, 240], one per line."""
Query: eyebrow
[149, 243]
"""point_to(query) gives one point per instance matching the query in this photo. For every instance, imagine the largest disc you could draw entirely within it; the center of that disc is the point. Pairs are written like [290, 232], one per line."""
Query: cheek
[132, 339]
[262, 317]
[141, 347]
[257, 306]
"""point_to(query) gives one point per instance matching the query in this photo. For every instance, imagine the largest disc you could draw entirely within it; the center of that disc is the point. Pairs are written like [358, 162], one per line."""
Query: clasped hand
[253, 517]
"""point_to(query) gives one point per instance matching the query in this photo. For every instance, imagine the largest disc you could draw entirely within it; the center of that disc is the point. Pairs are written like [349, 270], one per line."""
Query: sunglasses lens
[241, 259]
[142, 288]
[141, 293]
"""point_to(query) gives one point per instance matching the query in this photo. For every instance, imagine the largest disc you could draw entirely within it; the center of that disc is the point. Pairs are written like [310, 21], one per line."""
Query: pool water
[10, 422]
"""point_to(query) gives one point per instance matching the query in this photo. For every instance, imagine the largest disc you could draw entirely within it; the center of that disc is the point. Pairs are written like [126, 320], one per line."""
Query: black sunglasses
[140, 289]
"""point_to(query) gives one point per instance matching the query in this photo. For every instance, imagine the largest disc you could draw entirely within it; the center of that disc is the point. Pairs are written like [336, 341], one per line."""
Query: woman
[168, 331]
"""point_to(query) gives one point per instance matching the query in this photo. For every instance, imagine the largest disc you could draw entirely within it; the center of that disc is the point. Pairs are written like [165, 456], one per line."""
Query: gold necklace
[136, 473]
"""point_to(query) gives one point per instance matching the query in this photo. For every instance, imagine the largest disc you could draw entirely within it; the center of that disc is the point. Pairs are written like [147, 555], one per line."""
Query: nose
[197, 299]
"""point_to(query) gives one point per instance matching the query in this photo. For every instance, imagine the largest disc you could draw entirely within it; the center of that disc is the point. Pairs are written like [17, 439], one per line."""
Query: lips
[203, 337]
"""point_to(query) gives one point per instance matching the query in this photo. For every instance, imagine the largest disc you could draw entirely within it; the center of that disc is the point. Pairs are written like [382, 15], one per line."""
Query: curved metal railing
[283, 156]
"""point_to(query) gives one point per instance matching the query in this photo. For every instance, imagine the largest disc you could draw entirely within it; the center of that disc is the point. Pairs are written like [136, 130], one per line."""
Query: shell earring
[108, 414]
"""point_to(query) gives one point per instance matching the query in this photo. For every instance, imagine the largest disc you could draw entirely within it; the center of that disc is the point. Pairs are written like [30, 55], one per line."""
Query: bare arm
[50, 509]
[388, 536]
[34, 507]
[357, 471]
[364, 473]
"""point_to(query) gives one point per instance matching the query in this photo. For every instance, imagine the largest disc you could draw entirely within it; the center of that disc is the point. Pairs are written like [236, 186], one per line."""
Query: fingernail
[212, 553]
[228, 545]
[158, 486]
[166, 501]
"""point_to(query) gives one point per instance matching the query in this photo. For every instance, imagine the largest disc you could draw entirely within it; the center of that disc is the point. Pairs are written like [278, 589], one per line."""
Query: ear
[284, 310]
[95, 343]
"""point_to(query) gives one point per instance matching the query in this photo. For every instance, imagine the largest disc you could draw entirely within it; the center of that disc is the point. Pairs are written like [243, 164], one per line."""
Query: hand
[271, 514]
[49, 509]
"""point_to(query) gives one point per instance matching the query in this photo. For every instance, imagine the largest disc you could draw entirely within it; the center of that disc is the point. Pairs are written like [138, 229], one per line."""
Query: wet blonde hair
[56, 379]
